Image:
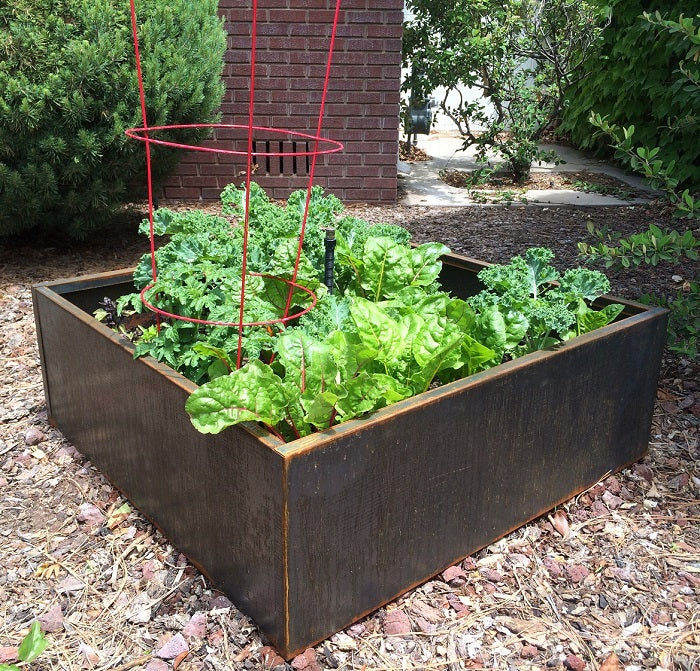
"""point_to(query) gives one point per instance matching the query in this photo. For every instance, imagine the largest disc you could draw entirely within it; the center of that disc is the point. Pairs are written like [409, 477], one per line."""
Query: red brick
[288, 71]
[381, 85]
[391, 120]
[287, 16]
[366, 44]
[213, 193]
[386, 135]
[361, 195]
[362, 102]
[356, 170]
[391, 97]
[185, 168]
[188, 181]
[365, 17]
[354, 30]
[324, 16]
[181, 193]
[380, 159]
[349, 110]
[330, 171]
[319, 5]
[218, 169]
[390, 30]
[364, 120]
[356, 4]
[287, 43]
[272, 57]
[278, 29]
[375, 182]
[389, 58]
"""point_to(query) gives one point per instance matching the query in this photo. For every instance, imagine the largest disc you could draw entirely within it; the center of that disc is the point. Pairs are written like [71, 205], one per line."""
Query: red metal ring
[141, 134]
[193, 320]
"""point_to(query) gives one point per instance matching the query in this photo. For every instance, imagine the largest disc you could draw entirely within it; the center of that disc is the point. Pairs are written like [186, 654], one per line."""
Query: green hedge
[68, 90]
[635, 80]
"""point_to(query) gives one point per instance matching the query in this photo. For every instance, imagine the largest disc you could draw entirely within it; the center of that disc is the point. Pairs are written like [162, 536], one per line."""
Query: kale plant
[527, 305]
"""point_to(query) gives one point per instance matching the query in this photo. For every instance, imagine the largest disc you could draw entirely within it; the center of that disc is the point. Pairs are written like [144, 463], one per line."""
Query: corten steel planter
[307, 537]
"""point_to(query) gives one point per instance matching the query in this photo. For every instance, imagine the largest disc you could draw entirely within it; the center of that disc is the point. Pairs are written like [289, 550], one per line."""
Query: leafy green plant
[387, 332]
[402, 336]
[646, 161]
[644, 75]
[32, 645]
[684, 321]
[652, 246]
[68, 91]
[528, 305]
[199, 271]
[521, 56]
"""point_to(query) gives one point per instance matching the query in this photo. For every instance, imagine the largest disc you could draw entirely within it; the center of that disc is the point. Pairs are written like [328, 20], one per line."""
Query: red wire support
[322, 146]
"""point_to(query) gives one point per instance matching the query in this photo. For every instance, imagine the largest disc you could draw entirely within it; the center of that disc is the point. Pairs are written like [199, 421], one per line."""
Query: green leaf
[426, 264]
[320, 408]
[477, 356]
[350, 353]
[595, 319]
[306, 360]
[251, 393]
[459, 312]
[590, 284]
[217, 368]
[433, 341]
[387, 268]
[33, 644]
[363, 396]
[490, 330]
[366, 393]
[516, 325]
[378, 330]
[539, 270]
[205, 349]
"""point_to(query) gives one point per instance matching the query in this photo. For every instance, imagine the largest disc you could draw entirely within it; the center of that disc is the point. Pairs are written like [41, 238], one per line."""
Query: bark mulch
[608, 581]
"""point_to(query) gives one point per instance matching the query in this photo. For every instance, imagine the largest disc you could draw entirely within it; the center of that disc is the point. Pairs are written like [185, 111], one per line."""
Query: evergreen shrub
[68, 90]
[635, 80]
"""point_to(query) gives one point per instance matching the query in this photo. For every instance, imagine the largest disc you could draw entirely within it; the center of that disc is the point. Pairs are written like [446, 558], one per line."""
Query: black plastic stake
[330, 259]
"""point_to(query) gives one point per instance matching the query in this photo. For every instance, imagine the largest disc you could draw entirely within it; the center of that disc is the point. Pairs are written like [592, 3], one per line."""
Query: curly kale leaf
[539, 307]
[355, 232]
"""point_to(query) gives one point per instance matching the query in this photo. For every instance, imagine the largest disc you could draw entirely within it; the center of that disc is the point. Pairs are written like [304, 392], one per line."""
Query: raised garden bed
[308, 536]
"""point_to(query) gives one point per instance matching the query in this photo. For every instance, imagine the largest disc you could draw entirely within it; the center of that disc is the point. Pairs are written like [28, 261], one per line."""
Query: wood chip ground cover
[608, 581]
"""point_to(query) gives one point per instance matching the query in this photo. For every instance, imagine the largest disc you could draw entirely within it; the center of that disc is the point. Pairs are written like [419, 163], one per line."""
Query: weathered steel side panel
[377, 510]
[219, 499]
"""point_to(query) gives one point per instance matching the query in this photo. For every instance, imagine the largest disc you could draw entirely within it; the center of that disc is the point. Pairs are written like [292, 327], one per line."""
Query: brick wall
[362, 105]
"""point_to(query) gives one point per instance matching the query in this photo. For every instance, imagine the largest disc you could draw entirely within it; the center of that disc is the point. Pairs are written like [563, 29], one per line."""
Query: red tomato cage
[317, 145]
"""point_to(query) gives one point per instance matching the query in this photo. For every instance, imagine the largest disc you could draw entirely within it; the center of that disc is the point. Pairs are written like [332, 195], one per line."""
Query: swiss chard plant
[387, 331]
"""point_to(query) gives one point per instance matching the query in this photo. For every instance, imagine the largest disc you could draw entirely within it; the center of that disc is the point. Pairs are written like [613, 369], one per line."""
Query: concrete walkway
[420, 183]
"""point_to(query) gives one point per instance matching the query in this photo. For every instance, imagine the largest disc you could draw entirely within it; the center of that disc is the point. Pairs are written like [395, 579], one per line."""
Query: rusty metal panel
[219, 499]
[377, 510]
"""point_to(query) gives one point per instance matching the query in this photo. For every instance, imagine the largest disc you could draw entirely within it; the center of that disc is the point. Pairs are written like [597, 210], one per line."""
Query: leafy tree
[521, 55]
[645, 76]
[663, 173]
[68, 91]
